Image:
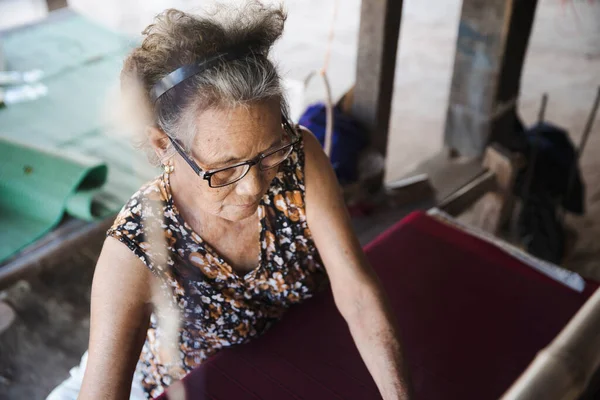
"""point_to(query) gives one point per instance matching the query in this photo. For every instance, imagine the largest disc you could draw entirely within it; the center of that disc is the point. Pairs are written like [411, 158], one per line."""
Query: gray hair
[177, 38]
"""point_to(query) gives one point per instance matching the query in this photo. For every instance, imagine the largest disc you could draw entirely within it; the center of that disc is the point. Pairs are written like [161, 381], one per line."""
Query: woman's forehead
[231, 120]
[236, 133]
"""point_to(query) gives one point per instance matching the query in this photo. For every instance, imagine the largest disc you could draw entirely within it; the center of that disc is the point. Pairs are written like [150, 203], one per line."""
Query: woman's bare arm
[356, 289]
[120, 314]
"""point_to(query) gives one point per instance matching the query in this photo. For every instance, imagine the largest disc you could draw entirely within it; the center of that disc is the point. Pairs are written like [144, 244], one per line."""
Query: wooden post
[376, 63]
[56, 4]
[495, 208]
[563, 369]
[492, 41]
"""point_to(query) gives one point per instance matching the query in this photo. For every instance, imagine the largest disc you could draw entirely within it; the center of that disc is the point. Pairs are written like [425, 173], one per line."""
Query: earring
[168, 168]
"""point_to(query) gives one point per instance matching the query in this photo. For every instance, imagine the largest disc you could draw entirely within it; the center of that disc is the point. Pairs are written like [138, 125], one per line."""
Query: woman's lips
[248, 205]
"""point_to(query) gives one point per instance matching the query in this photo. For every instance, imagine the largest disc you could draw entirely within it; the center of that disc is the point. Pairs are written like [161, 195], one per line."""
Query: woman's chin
[239, 213]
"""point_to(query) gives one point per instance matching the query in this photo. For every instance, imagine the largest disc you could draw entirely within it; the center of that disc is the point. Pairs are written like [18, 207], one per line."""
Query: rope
[328, 109]
[330, 37]
[323, 74]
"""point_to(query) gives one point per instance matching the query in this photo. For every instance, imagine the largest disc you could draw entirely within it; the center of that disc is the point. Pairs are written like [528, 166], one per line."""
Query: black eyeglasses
[228, 175]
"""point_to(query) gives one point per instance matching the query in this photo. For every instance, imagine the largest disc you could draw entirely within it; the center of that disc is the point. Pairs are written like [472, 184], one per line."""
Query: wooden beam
[447, 174]
[466, 196]
[376, 63]
[564, 368]
[492, 41]
[56, 4]
[70, 236]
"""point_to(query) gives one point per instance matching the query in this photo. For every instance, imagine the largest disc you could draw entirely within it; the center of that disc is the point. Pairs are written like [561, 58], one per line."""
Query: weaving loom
[472, 317]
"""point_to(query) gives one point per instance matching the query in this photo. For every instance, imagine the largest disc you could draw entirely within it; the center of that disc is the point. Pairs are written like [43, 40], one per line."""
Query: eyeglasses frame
[207, 175]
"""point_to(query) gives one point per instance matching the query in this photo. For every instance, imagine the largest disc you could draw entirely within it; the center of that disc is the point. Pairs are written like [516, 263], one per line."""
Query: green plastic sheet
[58, 155]
[38, 186]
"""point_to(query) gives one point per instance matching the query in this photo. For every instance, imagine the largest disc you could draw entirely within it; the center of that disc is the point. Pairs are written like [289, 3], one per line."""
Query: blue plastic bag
[349, 139]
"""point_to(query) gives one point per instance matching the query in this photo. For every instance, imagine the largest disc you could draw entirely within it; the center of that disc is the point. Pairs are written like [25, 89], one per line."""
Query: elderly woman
[248, 209]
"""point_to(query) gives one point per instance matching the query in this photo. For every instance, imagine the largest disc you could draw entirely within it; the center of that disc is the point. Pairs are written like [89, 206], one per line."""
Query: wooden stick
[542, 112]
[583, 142]
[563, 369]
[589, 124]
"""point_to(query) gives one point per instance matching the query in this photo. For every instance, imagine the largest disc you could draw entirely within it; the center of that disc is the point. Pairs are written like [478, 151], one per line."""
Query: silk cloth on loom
[472, 317]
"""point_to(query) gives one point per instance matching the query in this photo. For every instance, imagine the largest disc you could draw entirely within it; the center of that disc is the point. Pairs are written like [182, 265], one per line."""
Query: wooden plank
[492, 41]
[565, 367]
[466, 196]
[447, 174]
[69, 237]
[376, 63]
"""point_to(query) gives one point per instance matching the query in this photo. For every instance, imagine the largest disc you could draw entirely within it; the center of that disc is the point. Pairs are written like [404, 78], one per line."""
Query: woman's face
[225, 137]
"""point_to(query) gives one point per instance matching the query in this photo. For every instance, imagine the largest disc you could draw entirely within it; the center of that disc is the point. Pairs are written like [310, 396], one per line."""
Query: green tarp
[57, 154]
[37, 186]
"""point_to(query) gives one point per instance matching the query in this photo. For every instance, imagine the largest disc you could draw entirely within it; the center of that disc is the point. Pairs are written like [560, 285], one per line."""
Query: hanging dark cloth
[555, 164]
[555, 185]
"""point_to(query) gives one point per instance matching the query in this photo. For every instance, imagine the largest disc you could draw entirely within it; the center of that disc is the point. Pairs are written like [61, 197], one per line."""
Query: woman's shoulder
[291, 173]
[148, 201]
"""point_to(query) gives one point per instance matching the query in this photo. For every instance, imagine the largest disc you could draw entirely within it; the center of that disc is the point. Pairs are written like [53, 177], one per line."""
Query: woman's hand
[356, 289]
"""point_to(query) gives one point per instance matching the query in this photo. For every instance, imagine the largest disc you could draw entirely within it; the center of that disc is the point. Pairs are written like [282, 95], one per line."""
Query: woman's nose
[251, 184]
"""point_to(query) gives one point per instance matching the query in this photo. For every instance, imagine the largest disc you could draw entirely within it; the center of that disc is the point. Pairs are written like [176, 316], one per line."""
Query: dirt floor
[50, 331]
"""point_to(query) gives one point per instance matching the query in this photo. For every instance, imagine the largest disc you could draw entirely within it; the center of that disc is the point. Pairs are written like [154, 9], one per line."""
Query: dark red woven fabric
[472, 318]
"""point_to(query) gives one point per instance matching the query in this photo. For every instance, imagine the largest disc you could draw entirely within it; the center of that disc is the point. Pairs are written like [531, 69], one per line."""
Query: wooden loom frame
[379, 30]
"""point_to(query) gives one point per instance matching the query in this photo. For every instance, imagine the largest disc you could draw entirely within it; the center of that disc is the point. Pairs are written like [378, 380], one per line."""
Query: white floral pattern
[220, 308]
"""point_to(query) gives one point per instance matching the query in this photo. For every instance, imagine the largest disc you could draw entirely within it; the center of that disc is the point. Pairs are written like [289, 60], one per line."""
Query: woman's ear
[158, 140]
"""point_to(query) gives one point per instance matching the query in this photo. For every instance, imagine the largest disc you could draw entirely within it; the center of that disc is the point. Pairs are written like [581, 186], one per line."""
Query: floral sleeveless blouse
[218, 307]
